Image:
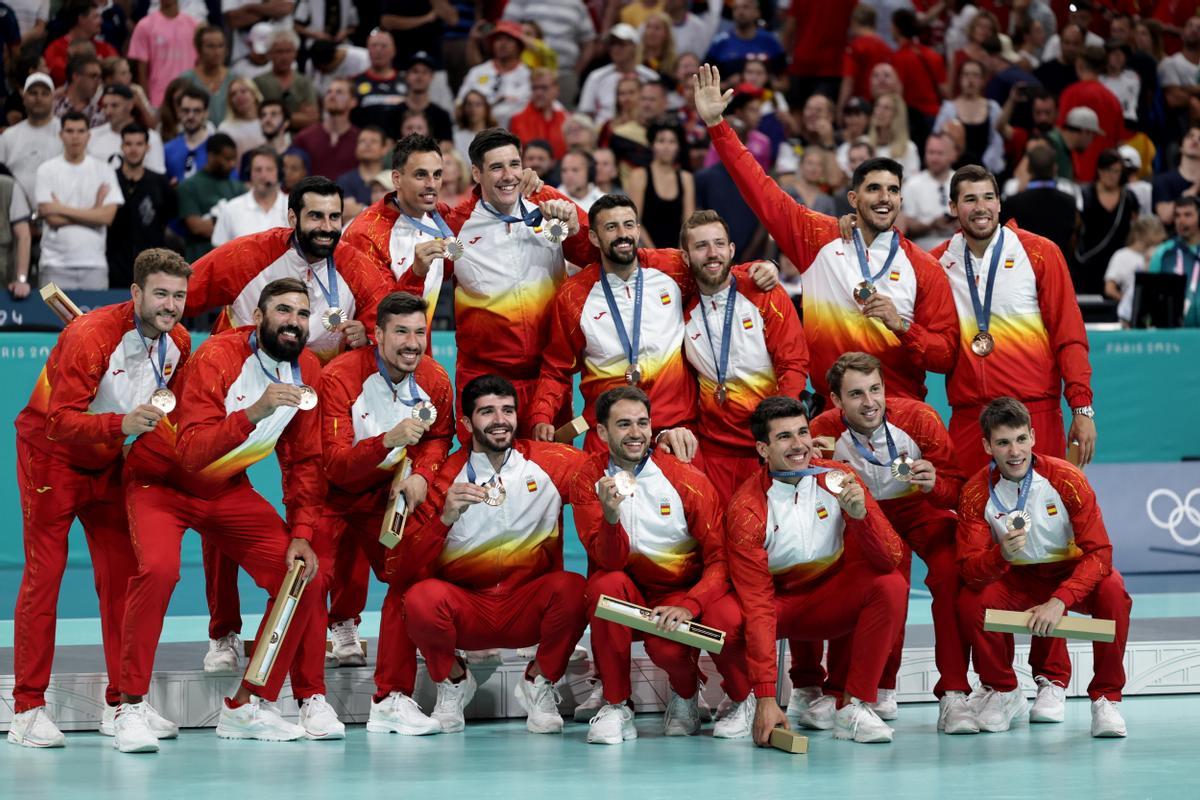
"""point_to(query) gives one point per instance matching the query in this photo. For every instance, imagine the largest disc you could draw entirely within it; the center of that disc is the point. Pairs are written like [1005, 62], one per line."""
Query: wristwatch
[1084, 411]
[22, 279]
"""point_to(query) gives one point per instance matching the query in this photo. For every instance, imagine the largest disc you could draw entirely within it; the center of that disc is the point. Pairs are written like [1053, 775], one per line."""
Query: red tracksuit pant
[1019, 591]
[245, 528]
[612, 643]
[53, 494]
[726, 470]
[221, 591]
[395, 654]
[350, 579]
[549, 611]
[1045, 416]
[857, 602]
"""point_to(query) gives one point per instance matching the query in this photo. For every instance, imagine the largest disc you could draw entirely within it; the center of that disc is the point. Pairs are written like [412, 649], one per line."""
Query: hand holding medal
[852, 498]
[923, 475]
[459, 498]
[560, 219]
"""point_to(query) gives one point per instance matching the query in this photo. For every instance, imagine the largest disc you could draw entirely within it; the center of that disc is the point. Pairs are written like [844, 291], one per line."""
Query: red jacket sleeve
[206, 432]
[930, 434]
[1062, 318]
[931, 342]
[980, 560]
[606, 543]
[349, 466]
[706, 524]
[745, 539]
[577, 248]
[367, 283]
[564, 342]
[1090, 534]
[785, 341]
[84, 348]
[221, 275]
[299, 454]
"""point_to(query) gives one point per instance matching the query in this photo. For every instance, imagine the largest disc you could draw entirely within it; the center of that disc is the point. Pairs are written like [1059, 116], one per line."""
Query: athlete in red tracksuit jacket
[370, 402]
[1031, 538]
[94, 391]
[811, 558]
[238, 403]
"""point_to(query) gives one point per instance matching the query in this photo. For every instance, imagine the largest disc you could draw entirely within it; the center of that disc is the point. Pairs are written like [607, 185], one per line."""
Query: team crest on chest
[664, 507]
[1008, 263]
[894, 276]
[1051, 509]
[821, 512]
[531, 485]
[747, 322]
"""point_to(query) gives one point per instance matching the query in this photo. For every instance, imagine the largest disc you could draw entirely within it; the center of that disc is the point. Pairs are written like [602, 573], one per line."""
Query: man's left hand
[764, 274]
[1046, 616]
[301, 549]
[1083, 430]
[355, 333]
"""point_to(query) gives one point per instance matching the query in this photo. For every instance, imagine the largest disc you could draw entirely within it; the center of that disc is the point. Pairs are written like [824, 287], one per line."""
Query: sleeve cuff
[764, 690]
[114, 427]
[1066, 596]
[1079, 399]
[302, 531]
[691, 605]
[913, 335]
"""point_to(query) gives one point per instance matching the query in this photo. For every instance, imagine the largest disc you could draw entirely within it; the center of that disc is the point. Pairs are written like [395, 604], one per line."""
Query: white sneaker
[222, 655]
[256, 720]
[540, 699]
[452, 698]
[857, 721]
[800, 699]
[527, 653]
[347, 647]
[997, 710]
[330, 658]
[162, 727]
[735, 720]
[319, 720]
[819, 714]
[34, 728]
[1107, 721]
[955, 715]
[132, 729]
[490, 658]
[585, 711]
[399, 713]
[682, 717]
[580, 653]
[885, 706]
[612, 724]
[1050, 705]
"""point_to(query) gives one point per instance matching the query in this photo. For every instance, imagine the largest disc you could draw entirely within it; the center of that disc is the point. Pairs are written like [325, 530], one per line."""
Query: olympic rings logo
[1183, 510]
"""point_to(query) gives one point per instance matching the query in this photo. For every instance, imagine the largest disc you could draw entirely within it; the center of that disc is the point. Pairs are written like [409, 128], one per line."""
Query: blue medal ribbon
[414, 396]
[613, 469]
[441, 232]
[631, 348]
[330, 293]
[162, 354]
[983, 311]
[531, 218]
[273, 378]
[798, 473]
[866, 452]
[471, 469]
[1022, 490]
[861, 251]
[722, 361]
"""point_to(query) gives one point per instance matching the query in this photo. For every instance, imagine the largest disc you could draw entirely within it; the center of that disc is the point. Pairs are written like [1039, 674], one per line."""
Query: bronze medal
[308, 398]
[454, 249]
[163, 399]
[496, 493]
[332, 317]
[836, 481]
[864, 292]
[1018, 522]
[902, 468]
[625, 482]
[982, 344]
[425, 412]
[720, 394]
[633, 375]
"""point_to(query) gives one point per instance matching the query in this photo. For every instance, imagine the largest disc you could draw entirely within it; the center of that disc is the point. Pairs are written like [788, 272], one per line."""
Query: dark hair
[484, 385]
[971, 173]
[398, 304]
[540, 144]
[489, 139]
[383, 135]
[158, 259]
[607, 203]
[194, 92]
[261, 151]
[313, 184]
[413, 143]
[773, 408]
[135, 128]
[906, 23]
[1188, 200]
[219, 143]
[607, 400]
[73, 12]
[278, 287]
[75, 64]
[205, 30]
[282, 107]
[74, 116]
[1007, 412]
[589, 161]
[858, 362]
[1043, 162]
[1038, 93]
[1096, 59]
[1107, 158]
[667, 124]
[876, 165]
[322, 52]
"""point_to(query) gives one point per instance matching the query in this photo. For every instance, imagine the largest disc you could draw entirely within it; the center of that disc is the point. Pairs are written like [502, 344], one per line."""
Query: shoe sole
[325, 737]
[27, 742]
[540, 729]
[403, 730]
[1109, 735]
[352, 661]
[454, 727]
[887, 716]
[225, 733]
[847, 736]
[626, 736]
[965, 731]
[742, 735]
[147, 747]
[1046, 717]
[814, 725]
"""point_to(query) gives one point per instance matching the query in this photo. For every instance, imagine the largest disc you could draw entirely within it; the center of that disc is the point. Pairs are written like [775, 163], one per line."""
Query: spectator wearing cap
[283, 82]
[746, 105]
[598, 99]
[83, 21]
[1183, 181]
[105, 140]
[567, 28]
[379, 89]
[186, 154]
[693, 33]
[210, 72]
[730, 48]
[328, 60]
[864, 50]
[255, 60]
[419, 76]
[544, 117]
[163, 47]
[242, 15]
[83, 89]
[815, 35]
[1089, 92]
[34, 140]
[921, 71]
[503, 79]
[1079, 130]
[200, 194]
[331, 143]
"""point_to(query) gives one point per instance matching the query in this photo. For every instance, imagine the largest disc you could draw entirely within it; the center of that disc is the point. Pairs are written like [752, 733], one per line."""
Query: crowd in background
[183, 123]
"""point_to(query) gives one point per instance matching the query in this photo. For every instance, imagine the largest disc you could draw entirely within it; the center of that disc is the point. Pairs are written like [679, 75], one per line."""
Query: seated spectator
[150, 203]
[503, 79]
[1057, 73]
[380, 89]
[1108, 211]
[241, 116]
[273, 124]
[163, 44]
[105, 141]
[888, 133]
[537, 157]
[579, 132]
[168, 115]
[369, 151]
[856, 121]
[1042, 208]
[773, 121]
[328, 60]
[200, 194]
[658, 43]
[578, 171]
[82, 18]
[806, 185]
[210, 72]
[472, 116]
[543, 118]
[1182, 181]
[926, 217]
[414, 122]
[1180, 255]
[1142, 189]
[331, 143]
[568, 32]
[608, 176]
[83, 90]
[1145, 235]
[664, 192]
[598, 97]
[117, 71]
[631, 141]
[283, 82]
[970, 119]
[254, 59]
[1122, 81]
[261, 208]
[295, 168]
[1029, 40]
[186, 153]
[419, 77]
[77, 198]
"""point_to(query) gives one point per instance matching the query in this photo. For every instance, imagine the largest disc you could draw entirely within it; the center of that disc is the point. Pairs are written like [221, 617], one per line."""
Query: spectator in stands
[418, 77]
[626, 108]
[243, 15]
[543, 118]
[472, 116]
[261, 208]
[664, 192]
[256, 60]
[77, 198]
[283, 82]
[1122, 81]
[331, 143]
[982, 28]
[1056, 74]
[856, 121]
[104, 142]
[1080, 130]
[1183, 181]
[82, 18]
[814, 35]
[888, 133]
[636, 12]
[414, 122]
[30, 143]
[1079, 14]
[295, 168]
[163, 45]
[1179, 75]
[1180, 255]
[369, 151]
[328, 22]
[1109, 209]
[1089, 92]
[186, 153]
[456, 178]
[864, 50]
[83, 90]
[273, 123]
[578, 172]
[970, 119]
[921, 71]
[1029, 39]
[926, 217]
[537, 157]
[716, 190]
[608, 176]
[150, 203]
[168, 115]
[1043, 208]
[503, 79]
[806, 186]
[210, 72]
[693, 33]
[536, 53]
[1142, 189]
[16, 237]
[730, 48]
[200, 194]
[116, 71]
[380, 89]
[630, 140]
[599, 95]
[579, 132]
[31, 17]
[328, 60]
[241, 116]
[1145, 235]
[658, 43]
[567, 28]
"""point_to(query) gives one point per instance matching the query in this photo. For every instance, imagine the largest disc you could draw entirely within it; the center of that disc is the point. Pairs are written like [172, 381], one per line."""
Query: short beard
[279, 350]
[305, 239]
[481, 438]
[617, 258]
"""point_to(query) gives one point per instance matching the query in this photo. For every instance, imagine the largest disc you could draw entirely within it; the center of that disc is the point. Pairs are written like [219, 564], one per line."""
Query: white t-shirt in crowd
[75, 185]
[242, 216]
[926, 199]
[240, 46]
[356, 62]
[24, 148]
[28, 12]
[1176, 70]
[1122, 267]
[1126, 86]
[105, 144]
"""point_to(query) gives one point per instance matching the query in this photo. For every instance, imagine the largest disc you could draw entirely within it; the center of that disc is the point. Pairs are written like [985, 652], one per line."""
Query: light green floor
[502, 760]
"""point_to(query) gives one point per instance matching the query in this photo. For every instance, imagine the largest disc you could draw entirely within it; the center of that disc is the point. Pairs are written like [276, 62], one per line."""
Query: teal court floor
[501, 760]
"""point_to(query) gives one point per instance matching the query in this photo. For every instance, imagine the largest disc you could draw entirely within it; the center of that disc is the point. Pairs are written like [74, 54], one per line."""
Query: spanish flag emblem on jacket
[1051, 510]
[821, 512]
[531, 485]
[664, 507]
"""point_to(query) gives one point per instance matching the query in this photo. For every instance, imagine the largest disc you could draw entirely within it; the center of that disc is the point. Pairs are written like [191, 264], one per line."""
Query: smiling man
[1031, 538]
